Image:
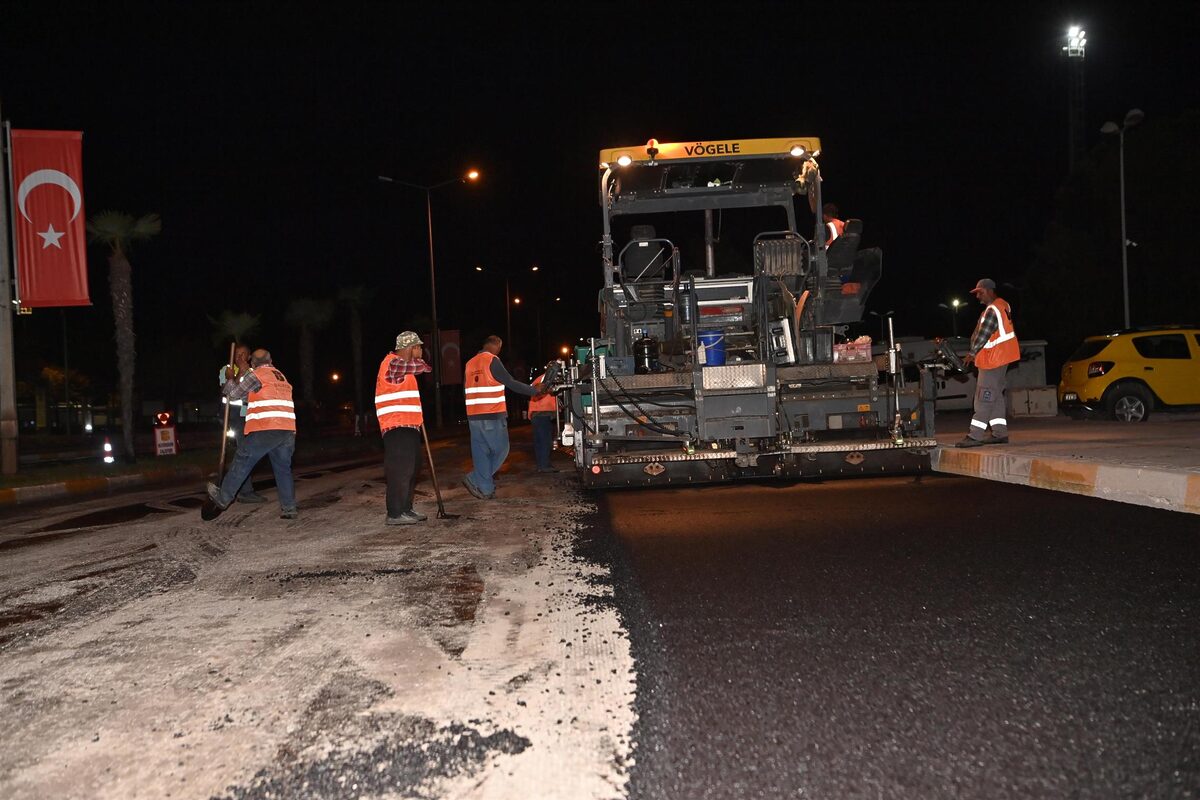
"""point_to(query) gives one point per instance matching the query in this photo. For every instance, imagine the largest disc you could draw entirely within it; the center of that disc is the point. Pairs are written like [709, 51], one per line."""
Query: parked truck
[722, 350]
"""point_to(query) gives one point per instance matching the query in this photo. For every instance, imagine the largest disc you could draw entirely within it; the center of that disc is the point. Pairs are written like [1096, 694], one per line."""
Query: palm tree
[235, 325]
[119, 231]
[355, 298]
[308, 316]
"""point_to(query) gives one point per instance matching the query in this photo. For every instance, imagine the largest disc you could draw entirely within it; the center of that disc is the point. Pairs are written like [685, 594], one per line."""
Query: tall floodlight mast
[1074, 50]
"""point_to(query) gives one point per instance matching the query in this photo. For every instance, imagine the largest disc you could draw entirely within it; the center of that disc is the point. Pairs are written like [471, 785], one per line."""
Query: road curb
[90, 487]
[1173, 490]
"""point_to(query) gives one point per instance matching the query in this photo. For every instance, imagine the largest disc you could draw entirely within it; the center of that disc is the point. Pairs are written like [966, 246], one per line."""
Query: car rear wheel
[1129, 403]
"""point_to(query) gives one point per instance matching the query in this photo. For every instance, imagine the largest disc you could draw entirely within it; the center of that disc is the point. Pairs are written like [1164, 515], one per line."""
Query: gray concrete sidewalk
[1154, 463]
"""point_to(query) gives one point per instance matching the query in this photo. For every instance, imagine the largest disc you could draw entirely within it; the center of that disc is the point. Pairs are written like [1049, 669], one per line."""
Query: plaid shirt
[983, 331]
[399, 369]
[239, 389]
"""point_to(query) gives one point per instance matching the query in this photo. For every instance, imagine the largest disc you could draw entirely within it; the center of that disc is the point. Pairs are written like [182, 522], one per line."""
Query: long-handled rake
[433, 476]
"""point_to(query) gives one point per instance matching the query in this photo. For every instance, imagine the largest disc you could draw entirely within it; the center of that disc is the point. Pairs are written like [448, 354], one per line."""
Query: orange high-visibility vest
[271, 407]
[484, 394]
[546, 402]
[1002, 347]
[833, 229]
[397, 406]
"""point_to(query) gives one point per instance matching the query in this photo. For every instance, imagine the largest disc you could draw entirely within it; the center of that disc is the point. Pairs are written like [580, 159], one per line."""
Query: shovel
[433, 476]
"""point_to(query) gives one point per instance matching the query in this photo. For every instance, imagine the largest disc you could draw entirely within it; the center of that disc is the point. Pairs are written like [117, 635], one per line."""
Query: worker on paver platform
[237, 416]
[834, 225]
[487, 415]
[398, 408]
[270, 432]
[993, 347]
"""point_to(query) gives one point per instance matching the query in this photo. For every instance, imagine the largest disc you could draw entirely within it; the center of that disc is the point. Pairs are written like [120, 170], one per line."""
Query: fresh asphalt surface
[904, 638]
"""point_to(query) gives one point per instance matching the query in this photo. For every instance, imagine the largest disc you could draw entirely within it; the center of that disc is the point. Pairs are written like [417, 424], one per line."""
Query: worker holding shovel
[398, 407]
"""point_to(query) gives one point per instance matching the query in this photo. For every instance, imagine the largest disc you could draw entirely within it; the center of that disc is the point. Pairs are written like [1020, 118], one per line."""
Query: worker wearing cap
[270, 431]
[487, 415]
[398, 408]
[993, 347]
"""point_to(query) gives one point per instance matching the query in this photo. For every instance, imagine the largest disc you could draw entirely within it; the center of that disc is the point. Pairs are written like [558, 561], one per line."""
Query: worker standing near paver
[398, 408]
[487, 415]
[542, 412]
[993, 347]
[270, 431]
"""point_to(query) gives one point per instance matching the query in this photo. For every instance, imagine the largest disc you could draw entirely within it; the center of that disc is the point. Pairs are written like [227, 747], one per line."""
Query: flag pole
[8, 371]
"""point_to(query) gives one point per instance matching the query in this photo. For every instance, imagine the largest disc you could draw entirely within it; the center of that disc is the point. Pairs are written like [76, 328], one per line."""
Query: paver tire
[1129, 402]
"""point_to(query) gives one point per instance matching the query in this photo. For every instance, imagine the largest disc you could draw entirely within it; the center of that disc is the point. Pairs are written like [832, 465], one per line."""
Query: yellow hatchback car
[1127, 374]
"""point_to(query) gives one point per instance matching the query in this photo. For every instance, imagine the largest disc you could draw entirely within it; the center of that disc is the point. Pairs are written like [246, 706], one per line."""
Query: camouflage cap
[407, 339]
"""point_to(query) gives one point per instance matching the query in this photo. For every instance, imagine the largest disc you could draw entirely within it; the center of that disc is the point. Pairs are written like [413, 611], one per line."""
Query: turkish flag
[47, 175]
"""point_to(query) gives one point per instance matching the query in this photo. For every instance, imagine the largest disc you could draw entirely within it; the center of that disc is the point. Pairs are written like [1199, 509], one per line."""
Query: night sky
[257, 132]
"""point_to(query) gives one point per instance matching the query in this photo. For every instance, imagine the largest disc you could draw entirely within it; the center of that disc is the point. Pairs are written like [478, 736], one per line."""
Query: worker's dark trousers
[543, 438]
[401, 463]
[990, 404]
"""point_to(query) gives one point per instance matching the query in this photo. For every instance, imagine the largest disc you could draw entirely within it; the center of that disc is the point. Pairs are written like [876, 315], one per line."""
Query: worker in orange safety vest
[487, 415]
[993, 347]
[270, 431]
[543, 410]
[398, 408]
[834, 227]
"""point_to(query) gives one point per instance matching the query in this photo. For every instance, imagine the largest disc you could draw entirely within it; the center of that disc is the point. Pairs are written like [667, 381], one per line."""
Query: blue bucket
[713, 343]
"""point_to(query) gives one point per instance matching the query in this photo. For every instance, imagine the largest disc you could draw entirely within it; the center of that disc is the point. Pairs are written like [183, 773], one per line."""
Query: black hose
[649, 424]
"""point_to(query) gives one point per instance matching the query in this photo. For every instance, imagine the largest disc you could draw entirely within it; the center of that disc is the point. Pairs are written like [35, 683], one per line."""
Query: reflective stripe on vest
[271, 407]
[835, 228]
[546, 402]
[484, 394]
[1002, 347]
[396, 406]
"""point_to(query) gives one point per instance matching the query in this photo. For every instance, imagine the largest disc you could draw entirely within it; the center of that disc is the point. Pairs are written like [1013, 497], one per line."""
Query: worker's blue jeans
[489, 448]
[237, 424]
[276, 445]
[543, 438]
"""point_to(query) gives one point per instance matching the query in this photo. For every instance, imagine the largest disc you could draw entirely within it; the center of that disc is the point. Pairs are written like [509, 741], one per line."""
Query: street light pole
[437, 344]
[437, 339]
[1134, 117]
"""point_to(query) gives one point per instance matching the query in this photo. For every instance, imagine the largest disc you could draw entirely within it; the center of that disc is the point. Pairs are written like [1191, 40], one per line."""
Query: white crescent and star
[55, 178]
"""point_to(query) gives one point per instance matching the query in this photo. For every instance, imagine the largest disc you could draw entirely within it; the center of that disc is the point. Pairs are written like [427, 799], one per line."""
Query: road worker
[398, 408]
[834, 225]
[543, 410]
[993, 347]
[487, 415]
[237, 416]
[270, 431]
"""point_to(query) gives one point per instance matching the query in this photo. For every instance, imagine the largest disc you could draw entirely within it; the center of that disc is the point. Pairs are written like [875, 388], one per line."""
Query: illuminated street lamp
[1133, 118]
[472, 175]
[955, 304]
[1076, 42]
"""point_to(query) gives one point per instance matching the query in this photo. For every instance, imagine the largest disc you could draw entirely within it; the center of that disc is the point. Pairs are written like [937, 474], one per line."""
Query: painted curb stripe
[1155, 488]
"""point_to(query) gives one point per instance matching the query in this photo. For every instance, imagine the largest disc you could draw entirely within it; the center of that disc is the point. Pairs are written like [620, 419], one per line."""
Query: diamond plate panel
[825, 371]
[661, 380]
[735, 376]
